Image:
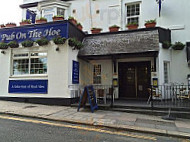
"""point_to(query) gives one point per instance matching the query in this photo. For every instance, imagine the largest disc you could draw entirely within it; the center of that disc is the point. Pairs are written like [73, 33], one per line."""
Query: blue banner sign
[28, 86]
[75, 73]
[34, 32]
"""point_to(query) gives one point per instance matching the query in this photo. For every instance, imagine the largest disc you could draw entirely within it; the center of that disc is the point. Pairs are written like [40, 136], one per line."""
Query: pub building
[129, 60]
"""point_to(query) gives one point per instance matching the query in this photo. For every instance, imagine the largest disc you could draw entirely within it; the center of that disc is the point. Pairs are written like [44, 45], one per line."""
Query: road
[20, 129]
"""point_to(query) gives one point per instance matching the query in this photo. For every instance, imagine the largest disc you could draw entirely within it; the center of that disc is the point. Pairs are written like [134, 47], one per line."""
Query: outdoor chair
[101, 95]
[110, 93]
[156, 94]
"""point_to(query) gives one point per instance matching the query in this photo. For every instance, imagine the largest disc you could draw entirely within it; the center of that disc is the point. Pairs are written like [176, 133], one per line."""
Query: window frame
[29, 57]
[94, 82]
[134, 16]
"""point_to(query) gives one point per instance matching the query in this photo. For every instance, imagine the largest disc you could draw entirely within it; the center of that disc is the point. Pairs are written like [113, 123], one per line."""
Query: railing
[104, 93]
[169, 96]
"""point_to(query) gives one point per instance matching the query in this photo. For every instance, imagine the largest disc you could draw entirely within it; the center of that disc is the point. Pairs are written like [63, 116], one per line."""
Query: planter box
[41, 21]
[96, 31]
[132, 27]
[58, 18]
[73, 21]
[79, 27]
[24, 23]
[150, 25]
[114, 29]
[10, 25]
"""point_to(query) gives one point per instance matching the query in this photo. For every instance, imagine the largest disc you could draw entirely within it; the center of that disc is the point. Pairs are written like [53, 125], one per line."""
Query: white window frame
[29, 66]
[97, 75]
[138, 16]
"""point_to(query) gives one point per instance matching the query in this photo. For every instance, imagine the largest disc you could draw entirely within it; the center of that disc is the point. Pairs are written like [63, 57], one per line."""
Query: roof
[124, 42]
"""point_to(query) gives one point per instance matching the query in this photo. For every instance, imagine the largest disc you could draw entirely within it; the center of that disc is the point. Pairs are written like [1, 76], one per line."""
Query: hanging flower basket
[10, 25]
[132, 26]
[58, 18]
[73, 42]
[41, 20]
[96, 30]
[59, 40]
[3, 45]
[13, 44]
[178, 46]
[27, 43]
[166, 44]
[114, 28]
[150, 23]
[42, 41]
[25, 22]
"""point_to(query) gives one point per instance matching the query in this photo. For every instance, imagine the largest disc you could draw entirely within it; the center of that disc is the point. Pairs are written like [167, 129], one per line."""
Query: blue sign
[34, 32]
[28, 86]
[75, 73]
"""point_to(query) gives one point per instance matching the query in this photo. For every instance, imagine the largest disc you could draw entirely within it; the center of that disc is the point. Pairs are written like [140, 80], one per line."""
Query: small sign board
[88, 94]
[75, 73]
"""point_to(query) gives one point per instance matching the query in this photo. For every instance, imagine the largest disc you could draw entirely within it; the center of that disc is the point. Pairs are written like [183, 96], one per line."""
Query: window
[48, 14]
[61, 11]
[97, 74]
[49, 17]
[133, 12]
[166, 72]
[29, 63]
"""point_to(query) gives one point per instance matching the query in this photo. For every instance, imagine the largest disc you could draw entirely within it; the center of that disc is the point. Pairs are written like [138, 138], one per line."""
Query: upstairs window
[61, 11]
[133, 13]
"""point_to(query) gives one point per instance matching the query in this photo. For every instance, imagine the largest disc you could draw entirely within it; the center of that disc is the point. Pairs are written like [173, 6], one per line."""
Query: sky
[10, 11]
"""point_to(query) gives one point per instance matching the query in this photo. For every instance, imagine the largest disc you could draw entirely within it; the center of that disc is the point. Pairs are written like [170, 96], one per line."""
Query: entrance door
[134, 79]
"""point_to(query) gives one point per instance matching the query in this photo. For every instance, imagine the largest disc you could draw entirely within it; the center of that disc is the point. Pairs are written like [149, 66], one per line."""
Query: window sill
[29, 76]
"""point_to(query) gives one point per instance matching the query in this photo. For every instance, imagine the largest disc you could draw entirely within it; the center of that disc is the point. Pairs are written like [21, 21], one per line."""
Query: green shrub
[59, 40]
[27, 43]
[3, 45]
[178, 46]
[42, 41]
[13, 44]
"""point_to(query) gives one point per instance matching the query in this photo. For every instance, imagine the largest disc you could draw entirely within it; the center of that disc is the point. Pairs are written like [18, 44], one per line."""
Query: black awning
[188, 51]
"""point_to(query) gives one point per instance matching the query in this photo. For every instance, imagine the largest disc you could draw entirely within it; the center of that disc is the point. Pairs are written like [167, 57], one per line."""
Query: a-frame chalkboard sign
[89, 94]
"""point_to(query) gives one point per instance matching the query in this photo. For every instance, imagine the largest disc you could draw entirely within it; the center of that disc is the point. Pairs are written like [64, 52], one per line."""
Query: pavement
[103, 118]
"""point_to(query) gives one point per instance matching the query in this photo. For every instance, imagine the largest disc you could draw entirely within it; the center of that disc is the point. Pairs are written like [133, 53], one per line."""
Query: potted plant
[150, 23]
[72, 42]
[178, 46]
[78, 45]
[79, 26]
[166, 44]
[132, 25]
[41, 20]
[58, 17]
[13, 44]
[2, 26]
[114, 28]
[3, 45]
[10, 25]
[25, 22]
[72, 20]
[42, 41]
[59, 40]
[96, 30]
[27, 43]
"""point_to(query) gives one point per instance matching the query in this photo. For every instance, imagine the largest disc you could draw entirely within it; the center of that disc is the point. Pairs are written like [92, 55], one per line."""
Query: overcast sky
[10, 11]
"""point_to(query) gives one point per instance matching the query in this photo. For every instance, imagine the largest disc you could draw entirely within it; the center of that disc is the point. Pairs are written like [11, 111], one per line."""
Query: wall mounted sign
[155, 82]
[75, 73]
[88, 94]
[28, 86]
[34, 32]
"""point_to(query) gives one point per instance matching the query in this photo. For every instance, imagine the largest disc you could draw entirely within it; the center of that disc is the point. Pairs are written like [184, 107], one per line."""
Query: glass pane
[20, 66]
[60, 11]
[49, 17]
[38, 66]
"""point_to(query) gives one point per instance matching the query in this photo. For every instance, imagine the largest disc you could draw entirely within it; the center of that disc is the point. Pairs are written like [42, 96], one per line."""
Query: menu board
[88, 94]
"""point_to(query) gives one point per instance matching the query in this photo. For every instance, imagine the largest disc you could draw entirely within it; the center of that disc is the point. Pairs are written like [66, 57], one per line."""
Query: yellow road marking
[79, 127]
